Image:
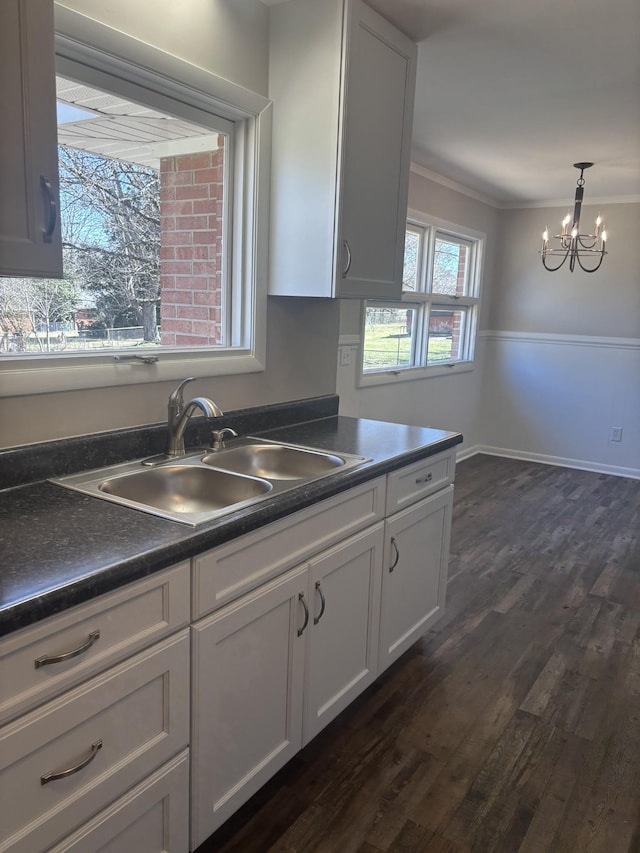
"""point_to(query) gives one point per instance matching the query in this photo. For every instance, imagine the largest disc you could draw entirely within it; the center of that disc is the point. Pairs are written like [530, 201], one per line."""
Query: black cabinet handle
[395, 548]
[45, 660]
[62, 774]
[306, 613]
[323, 604]
[50, 208]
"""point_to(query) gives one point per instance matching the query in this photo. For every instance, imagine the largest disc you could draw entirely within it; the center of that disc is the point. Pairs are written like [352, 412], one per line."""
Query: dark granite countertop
[59, 548]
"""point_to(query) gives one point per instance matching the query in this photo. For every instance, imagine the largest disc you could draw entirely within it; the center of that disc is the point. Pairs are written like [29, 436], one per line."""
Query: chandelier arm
[554, 269]
[582, 237]
[594, 269]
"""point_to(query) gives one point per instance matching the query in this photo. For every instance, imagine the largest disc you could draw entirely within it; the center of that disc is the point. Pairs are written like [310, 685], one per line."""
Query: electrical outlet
[616, 434]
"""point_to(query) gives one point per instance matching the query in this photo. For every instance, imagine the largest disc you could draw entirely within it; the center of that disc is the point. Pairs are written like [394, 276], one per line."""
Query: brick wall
[442, 320]
[457, 316]
[191, 188]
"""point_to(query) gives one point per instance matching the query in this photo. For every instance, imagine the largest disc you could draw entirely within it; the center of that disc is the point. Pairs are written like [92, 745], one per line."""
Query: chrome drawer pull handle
[61, 774]
[45, 660]
[306, 613]
[323, 604]
[397, 550]
[426, 479]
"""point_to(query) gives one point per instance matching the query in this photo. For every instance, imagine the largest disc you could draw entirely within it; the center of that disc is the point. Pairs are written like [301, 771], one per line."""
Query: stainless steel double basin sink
[206, 484]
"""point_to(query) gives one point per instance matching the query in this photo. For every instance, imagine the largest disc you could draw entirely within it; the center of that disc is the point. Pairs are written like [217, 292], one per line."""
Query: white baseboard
[466, 452]
[560, 461]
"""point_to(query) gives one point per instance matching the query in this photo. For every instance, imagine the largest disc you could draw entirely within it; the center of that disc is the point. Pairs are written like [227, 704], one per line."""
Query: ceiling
[511, 93]
[114, 127]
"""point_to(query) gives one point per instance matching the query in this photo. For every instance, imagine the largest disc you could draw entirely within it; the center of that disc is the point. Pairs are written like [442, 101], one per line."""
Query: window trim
[102, 54]
[435, 225]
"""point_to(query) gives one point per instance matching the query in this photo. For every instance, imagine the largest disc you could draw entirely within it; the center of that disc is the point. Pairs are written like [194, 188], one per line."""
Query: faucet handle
[176, 400]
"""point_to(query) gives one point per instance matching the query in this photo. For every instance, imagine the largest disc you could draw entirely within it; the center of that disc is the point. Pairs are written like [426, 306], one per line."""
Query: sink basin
[275, 461]
[204, 485]
[184, 488]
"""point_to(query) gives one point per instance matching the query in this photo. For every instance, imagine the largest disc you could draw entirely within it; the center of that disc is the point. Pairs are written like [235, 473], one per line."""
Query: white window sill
[386, 377]
[46, 375]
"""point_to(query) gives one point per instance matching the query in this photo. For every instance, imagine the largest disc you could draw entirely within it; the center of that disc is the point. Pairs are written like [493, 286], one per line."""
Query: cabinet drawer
[116, 729]
[151, 818]
[126, 621]
[243, 564]
[411, 484]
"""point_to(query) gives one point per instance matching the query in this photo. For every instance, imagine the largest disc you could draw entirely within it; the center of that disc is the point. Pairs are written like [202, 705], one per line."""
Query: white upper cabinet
[29, 210]
[342, 80]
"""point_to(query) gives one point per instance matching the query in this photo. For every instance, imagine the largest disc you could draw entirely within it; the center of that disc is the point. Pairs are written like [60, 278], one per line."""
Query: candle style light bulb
[565, 222]
[574, 233]
[604, 236]
[545, 235]
[598, 224]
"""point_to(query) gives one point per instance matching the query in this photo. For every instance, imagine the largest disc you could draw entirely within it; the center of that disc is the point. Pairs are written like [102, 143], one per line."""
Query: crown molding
[568, 202]
[417, 169]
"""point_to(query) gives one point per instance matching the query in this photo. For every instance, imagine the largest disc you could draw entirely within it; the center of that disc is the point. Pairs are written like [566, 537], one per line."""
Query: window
[162, 180]
[144, 216]
[433, 328]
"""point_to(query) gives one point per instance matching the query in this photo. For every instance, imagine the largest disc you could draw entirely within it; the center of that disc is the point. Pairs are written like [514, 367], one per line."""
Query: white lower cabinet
[248, 676]
[65, 761]
[414, 579]
[95, 709]
[151, 818]
[274, 667]
[342, 657]
[289, 624]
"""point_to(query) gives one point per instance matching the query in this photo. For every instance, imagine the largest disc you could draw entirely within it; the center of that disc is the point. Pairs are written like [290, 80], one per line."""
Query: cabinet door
[247, 682]
[29, 227]
[378, 116]
[414, 576]
[343, 638]
[342, 80]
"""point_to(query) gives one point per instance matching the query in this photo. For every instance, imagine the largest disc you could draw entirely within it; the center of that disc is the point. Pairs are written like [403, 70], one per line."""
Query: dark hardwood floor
[514, 725]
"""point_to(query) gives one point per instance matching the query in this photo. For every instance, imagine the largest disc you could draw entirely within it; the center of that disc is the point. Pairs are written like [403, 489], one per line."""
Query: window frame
[106, 58]
[424, 301]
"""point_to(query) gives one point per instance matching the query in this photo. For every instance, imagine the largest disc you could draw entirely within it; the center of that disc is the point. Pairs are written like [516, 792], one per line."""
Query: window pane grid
[390, 337]
[435, 322]
[446, 334]
[412, 256]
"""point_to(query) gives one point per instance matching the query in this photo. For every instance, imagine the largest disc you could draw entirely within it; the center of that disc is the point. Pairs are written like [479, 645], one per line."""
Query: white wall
[558, 360]
[445, 402]
[302, 336]
[225, 37]
[562, 359]
[230, 39]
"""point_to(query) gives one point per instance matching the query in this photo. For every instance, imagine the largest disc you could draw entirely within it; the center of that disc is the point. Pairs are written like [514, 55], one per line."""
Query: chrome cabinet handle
[306, 613]
[348, 251]
[426, 479]
[62, 774]
[45, 660]
[323, 603]
[395, 548]
[50, 208]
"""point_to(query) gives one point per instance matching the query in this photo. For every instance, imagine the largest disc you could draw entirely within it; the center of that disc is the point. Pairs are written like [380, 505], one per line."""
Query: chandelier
[580, 248]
